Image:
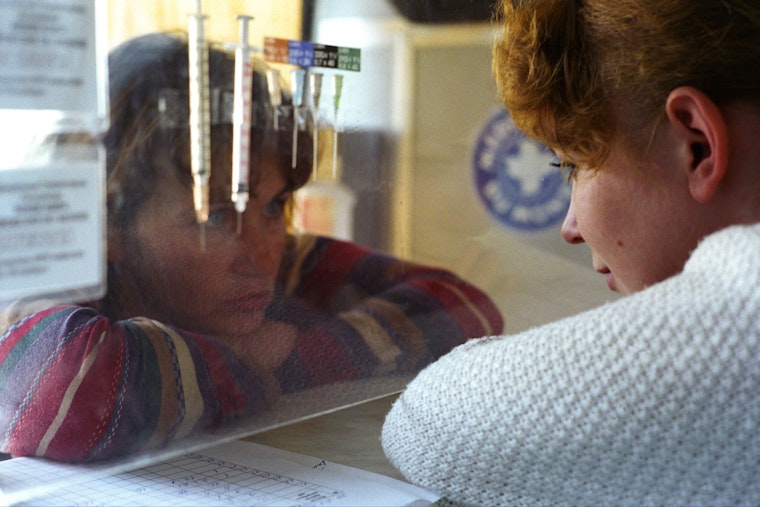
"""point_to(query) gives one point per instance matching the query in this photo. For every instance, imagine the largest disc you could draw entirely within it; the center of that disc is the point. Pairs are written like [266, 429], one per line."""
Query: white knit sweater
[651, 400]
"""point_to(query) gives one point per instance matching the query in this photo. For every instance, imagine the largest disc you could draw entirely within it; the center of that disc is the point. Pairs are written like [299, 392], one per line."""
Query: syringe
[200, 134]
[337, 92]
[241, 124]
[297, 77]
[275, 94]
[315, 86]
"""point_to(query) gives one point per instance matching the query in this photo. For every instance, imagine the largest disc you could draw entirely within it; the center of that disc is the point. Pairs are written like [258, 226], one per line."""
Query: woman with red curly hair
[653, 110]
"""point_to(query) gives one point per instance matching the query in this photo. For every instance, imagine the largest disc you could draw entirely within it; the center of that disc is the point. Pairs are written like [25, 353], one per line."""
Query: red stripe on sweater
[470, 324]
[92, 405]
[232, 401]
[324, 359]
[321, 285]
[484, 304]
[20, 332]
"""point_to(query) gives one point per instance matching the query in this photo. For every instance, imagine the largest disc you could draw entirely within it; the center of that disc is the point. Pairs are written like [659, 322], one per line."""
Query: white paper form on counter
[234, 473]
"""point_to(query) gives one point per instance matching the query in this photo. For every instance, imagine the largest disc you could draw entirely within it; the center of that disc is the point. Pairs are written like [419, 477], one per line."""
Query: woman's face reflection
[222, 290]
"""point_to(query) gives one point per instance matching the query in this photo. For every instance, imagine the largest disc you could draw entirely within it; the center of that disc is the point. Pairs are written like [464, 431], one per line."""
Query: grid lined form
[195, 479]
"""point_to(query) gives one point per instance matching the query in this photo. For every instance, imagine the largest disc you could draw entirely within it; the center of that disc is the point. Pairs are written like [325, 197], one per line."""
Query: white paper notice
[51, 230]
[49, 56]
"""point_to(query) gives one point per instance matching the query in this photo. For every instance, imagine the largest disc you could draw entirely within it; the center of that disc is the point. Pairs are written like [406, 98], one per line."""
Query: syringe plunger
[200, 150]
[241, 131]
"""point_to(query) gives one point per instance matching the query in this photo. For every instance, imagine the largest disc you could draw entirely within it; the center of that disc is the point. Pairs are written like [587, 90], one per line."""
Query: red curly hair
[576, 73]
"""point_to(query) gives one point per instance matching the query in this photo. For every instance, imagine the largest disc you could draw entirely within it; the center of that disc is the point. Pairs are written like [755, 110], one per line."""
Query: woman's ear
[699, 124]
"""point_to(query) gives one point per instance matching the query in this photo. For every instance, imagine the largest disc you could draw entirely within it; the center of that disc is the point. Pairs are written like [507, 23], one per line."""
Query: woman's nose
[262, 248]
[569, 231]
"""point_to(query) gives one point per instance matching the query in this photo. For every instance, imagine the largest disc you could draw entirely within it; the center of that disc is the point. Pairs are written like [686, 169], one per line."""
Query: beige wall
[278, 18]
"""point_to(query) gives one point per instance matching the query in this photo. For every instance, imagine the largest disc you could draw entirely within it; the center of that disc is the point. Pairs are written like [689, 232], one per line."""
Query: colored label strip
[309, 54]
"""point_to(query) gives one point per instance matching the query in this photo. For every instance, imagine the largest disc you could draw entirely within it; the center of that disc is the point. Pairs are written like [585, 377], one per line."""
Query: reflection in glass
[259, 327]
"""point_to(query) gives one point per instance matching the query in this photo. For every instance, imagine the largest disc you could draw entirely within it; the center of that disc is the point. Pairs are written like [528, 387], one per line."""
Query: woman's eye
[274, 208]
[567, 169]
[222, 217]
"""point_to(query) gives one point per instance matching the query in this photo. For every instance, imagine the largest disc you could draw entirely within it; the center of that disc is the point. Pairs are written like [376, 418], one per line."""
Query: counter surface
[349, 436]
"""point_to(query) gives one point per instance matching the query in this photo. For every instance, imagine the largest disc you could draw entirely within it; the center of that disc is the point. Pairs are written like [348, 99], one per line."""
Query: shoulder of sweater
[732, 251]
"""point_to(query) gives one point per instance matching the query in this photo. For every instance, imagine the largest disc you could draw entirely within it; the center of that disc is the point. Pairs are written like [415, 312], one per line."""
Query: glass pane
[305, 244]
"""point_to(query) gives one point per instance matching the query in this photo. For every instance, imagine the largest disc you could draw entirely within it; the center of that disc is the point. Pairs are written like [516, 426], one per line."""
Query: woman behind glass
[189, 337]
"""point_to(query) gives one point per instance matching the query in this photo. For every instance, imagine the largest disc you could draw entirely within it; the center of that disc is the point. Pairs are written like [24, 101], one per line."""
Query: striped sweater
[76, 386]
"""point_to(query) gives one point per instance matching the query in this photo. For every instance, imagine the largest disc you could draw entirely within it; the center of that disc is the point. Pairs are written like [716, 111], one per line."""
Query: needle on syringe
[200, 149]
[315, 86]
[337, 92]
[275, 94]
[297, 77]
[241, 124]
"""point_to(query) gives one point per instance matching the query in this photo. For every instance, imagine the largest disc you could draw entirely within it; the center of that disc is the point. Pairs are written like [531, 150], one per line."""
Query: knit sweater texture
[77, 386]
[650, 400]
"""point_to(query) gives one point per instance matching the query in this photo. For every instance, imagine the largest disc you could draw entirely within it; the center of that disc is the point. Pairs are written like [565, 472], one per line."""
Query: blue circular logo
[515, 179]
